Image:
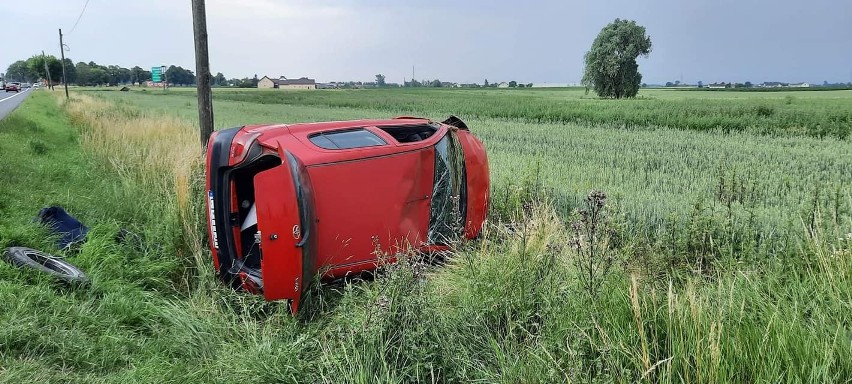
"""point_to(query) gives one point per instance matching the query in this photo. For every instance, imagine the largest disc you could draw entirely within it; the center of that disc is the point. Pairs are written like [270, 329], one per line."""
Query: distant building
[800, 85]
[300, 83]
[503, 85]
[717, 85]
[266, 82]
[285, 83]
[773, 84]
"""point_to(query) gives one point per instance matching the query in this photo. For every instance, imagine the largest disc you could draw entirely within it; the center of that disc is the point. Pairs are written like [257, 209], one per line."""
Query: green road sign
[156, 74]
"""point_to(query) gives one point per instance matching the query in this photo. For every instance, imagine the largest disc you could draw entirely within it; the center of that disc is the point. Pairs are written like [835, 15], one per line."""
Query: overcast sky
[453, 40]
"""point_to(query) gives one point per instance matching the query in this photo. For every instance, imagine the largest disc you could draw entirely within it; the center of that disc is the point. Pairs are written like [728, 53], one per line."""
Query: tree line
[94, 74]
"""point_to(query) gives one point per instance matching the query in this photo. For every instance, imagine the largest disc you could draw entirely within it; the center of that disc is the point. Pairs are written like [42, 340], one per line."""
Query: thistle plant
[589, 239]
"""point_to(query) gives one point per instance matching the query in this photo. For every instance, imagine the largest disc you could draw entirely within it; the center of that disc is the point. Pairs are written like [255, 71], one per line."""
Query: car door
[284, 202]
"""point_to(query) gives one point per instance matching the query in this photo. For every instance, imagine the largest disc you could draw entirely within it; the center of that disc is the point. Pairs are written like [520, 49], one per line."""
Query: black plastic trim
[456, 122]
[219, 185]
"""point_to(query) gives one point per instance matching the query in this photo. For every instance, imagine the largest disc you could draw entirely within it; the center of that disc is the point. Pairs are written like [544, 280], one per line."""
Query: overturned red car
[289, 202]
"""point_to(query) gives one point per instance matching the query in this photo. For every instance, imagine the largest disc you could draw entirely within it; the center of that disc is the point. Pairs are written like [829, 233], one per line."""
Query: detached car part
[288, 202]
[33, 259]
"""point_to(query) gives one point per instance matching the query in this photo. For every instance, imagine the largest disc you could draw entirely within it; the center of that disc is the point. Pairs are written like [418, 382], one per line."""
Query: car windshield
[448, 192]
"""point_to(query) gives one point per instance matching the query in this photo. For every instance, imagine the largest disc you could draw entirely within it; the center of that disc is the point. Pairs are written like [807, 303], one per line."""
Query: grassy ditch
[544, 297]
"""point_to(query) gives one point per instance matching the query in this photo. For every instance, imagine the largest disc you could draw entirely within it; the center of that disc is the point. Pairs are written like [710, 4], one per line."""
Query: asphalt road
[10, 100]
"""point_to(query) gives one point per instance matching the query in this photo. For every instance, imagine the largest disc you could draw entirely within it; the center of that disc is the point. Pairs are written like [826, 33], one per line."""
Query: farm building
[285, 83]
[300, 83]
[266, 82]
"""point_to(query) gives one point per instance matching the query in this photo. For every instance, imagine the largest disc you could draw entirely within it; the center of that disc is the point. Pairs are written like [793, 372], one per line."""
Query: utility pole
[47, 71]
[202, 71]
[62, 51]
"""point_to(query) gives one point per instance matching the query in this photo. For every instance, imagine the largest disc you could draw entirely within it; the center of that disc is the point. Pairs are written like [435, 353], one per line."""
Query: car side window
[354, 138]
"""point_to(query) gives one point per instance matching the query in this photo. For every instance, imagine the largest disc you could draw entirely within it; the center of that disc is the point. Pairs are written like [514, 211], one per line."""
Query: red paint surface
[478, 183]
[381, 201]
[277, 213]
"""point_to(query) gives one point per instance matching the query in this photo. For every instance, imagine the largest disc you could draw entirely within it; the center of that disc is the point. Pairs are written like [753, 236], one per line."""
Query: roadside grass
[139, 320]
[509, 308]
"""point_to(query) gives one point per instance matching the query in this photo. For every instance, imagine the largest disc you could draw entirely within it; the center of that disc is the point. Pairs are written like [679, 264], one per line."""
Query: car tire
[23, 257]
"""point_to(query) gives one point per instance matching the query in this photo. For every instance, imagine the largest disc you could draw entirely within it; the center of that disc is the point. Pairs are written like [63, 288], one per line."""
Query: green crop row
[815, 113]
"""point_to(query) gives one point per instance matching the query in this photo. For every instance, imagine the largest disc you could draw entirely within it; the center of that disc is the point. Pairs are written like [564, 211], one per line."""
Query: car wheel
[23, 257]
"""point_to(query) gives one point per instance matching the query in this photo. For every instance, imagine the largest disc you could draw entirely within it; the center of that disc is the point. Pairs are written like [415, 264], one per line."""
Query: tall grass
[154, 157]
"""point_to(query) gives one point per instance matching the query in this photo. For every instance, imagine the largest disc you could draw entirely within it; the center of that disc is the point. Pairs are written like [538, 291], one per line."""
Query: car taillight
[240, 145]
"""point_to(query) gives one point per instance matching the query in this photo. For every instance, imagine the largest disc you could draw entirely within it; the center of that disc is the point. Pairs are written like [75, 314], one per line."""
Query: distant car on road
[10, 87]
[288, 201]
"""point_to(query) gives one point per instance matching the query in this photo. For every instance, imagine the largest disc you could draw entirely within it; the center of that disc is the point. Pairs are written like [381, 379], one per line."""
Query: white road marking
[17, 94]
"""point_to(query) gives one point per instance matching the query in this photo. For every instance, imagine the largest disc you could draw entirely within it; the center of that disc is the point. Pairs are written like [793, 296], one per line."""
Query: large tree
[219, 79]
[139, 75]
[180, 76]
[611, 68]
[20, 71]
[36, 66]
[91, 74]
[118, 75]
[380, 80]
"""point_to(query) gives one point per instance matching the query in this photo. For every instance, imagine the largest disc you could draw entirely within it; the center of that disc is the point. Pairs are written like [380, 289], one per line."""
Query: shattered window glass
[448, 192]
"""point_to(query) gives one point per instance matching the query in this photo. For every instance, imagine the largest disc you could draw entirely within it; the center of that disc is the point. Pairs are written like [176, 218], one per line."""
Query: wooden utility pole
[62, 51]
[202, 71]
[47, 72]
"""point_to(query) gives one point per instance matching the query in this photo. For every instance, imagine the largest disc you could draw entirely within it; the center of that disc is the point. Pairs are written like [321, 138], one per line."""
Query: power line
[79, 17]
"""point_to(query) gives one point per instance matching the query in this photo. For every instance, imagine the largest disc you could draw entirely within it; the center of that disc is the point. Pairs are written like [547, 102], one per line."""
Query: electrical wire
[79, 17]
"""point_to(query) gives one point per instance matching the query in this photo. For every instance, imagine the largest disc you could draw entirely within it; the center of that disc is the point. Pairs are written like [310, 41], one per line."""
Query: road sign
[156, 74]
